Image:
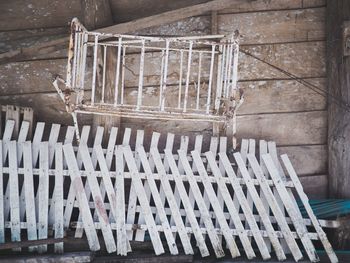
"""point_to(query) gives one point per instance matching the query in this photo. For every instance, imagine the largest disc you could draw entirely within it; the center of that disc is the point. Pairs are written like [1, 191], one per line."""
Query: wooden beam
[135, 25]
[338, 68]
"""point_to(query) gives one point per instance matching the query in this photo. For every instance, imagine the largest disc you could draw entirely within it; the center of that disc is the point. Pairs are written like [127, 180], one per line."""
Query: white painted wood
[167, 190]
[234, 215]
[198, 147]
[14, 193]
[98, 140]
[54, 133]
[81, 197]
[222, 149]
[109, 157]
[251, 150]
[184, 147]
[122, 240]
[243, 151]
[146, 210]
[215, 241]
[43, 194]
[68, 139]
[13, 113]
[6, 138]
[2, 217]
[288, 203]
[38, 135]
[58, 196]
[29, 196]
[71, 194]
[140, 234]
[272, 150]
[263, 150]
[232, 246]
[157, 201]
[97, 197]
[28, 117]
[130, 216]
[21, 138]
[185, 200]
[275, 208]
[305, 200]
[243, 203]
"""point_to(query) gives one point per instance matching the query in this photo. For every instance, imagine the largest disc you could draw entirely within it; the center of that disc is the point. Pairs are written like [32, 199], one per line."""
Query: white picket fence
[185, 197]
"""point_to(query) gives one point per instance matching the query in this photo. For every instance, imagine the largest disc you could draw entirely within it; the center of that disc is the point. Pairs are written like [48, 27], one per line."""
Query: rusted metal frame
[199, 79]
[75, 55]
[153, 48]
[189, 62]
[219, 77]
[142, 64]
[165, 75]
[117, 73]
[226, 71]
[104, 74]
[210, 78]
[80, 91]
[180, 79]
[123, 77]
[154, 115]
[228, 84]
[161, 80]
[94, 68]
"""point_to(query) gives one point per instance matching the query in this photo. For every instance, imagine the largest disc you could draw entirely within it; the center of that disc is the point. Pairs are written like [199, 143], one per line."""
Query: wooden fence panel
[223, 196]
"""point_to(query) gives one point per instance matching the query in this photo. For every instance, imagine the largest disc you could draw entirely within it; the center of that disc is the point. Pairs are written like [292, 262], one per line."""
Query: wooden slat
[71, 193]
[303, 197]
[22, 138]
[2, 218]
[14, 193]
[157, 201]
[136, 181]
[292, 211]
[230, 206]
[122, 238]
[109, 158]
[43, 194]
[140, 234]
[185, 200]
[232, 246]
[97, 141]
[97, 197]
[13, 113]
[81, 198]
[58, 196]
[29, 192]
[275, 208]
[242, 201]
[215, 241]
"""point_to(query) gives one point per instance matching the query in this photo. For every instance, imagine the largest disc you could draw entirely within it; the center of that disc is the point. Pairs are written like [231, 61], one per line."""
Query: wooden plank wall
[289, 34]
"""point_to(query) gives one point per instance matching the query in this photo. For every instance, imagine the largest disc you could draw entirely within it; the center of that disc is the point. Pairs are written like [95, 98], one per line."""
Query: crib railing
[182, 78]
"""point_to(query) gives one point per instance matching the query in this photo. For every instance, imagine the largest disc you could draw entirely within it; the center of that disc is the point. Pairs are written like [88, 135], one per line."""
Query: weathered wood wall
[289, 34]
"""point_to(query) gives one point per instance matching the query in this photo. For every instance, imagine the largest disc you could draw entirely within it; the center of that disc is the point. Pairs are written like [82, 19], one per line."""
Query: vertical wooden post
[338, 83]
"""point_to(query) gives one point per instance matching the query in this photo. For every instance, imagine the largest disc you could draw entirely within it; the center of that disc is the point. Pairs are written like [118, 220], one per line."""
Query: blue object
[327, 208]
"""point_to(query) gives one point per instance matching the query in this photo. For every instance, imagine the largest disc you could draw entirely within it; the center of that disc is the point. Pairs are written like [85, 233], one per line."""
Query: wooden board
[276, 26]
[124, 10]
[37, 14]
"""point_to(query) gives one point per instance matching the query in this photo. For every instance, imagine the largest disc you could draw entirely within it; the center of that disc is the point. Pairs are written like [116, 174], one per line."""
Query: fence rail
[181, 196]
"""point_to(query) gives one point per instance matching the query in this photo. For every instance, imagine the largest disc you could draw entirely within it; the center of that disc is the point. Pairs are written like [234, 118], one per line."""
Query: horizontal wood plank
[307, 159]
[24, 38]
[18, 15]
[285, 129]
[316, 187]
[275, 26]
